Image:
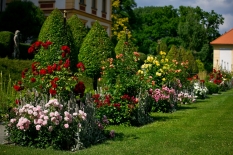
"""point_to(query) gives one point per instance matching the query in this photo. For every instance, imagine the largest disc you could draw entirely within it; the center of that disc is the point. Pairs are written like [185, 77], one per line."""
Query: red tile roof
[226, 38]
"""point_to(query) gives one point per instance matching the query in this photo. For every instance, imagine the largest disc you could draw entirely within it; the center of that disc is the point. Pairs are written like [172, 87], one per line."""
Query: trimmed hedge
[13, 68]
[95, 48]
[55, 31]
[79, 32]
[212, 88]
[6, 43]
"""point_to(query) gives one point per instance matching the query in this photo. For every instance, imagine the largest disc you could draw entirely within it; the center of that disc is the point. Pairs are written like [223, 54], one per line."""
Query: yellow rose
[143, 66]
[163, 79]
[140, 72]
[158, 74]
[150, 58]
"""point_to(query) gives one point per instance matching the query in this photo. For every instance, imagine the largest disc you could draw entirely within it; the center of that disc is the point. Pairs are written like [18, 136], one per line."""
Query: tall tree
[154, 23]
[23, 16]
[197, 28]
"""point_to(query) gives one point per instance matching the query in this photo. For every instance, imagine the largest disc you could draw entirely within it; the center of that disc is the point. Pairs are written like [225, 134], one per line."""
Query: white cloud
[228, 23]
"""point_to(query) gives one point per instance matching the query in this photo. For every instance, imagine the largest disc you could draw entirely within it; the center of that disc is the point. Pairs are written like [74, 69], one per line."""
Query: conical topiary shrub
[78, 30]
[95, 48]
[173, 53]
[54, 30]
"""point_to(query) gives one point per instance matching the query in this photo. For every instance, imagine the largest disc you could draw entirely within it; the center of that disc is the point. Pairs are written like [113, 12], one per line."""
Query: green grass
[202, 128]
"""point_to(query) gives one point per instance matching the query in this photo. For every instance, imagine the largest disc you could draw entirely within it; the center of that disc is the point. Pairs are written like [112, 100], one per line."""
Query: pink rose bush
[50, 125]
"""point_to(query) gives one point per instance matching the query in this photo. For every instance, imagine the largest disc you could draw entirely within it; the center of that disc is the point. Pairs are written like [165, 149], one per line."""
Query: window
[104, 6]
[93, 8]
[93, 4]
[104, 9]
[82, 2]
[82, 5]
[46, 4]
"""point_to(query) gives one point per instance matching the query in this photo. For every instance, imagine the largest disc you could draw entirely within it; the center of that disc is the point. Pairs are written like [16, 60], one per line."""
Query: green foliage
[96, 48]
[154, 23]
[192, 66]
[23, 16]
[78, 31]
[200, 65]
[122, 12]
[186, 26]
[161, 47]
[212, 88]
[12, 68]
[142, 58]
[7, 96]
[54, 30]
[182, 55]
[121, 48]
[6, 43]
[173, 53]
[122, 85]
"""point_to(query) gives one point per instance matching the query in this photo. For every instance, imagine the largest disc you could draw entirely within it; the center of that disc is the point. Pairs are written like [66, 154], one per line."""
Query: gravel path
[2, 134]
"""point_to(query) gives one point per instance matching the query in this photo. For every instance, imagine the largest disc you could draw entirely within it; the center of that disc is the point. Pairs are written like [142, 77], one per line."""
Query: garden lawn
[204, 127]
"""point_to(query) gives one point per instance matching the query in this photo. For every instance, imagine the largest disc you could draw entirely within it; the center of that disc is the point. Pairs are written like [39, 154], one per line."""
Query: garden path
[2, 134]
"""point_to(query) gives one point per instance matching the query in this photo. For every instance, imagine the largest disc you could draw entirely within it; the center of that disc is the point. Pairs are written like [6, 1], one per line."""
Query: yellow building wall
[216, 55]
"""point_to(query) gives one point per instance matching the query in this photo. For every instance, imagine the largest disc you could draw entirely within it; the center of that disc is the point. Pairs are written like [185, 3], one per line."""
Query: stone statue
[16, 45]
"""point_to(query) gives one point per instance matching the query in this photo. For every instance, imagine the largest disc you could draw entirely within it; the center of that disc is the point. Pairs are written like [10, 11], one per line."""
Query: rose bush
[52, 79]
[43, 127]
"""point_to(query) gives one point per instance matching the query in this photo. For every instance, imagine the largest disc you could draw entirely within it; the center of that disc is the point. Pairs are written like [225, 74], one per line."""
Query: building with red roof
[223, 51]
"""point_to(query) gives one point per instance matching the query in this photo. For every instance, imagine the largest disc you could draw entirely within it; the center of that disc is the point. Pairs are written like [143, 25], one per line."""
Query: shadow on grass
[123, 137]
[185, 107]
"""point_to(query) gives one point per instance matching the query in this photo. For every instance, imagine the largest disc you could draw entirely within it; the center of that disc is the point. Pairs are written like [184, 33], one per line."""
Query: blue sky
[223, 7]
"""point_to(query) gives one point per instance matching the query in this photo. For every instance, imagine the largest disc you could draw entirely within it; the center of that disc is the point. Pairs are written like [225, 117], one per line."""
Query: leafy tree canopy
[23, 16]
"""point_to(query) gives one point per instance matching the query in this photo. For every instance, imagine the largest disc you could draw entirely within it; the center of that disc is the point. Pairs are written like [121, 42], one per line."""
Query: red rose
[52, 91]
[17, 101]
[34, 66]
[31, 50]
[56, 79]
[35, 72]
[17, 88]
[33, 79]
[23, 74]
[50, 69]
[37, 43]
[67, 63]
[19, 82]
[54, 85]
[58, 68]
[81, 66]
[60, 62]
[46, 44]
[79, 89]
[63, 54]
[66, 49]
[42, 71]
[54, 67]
